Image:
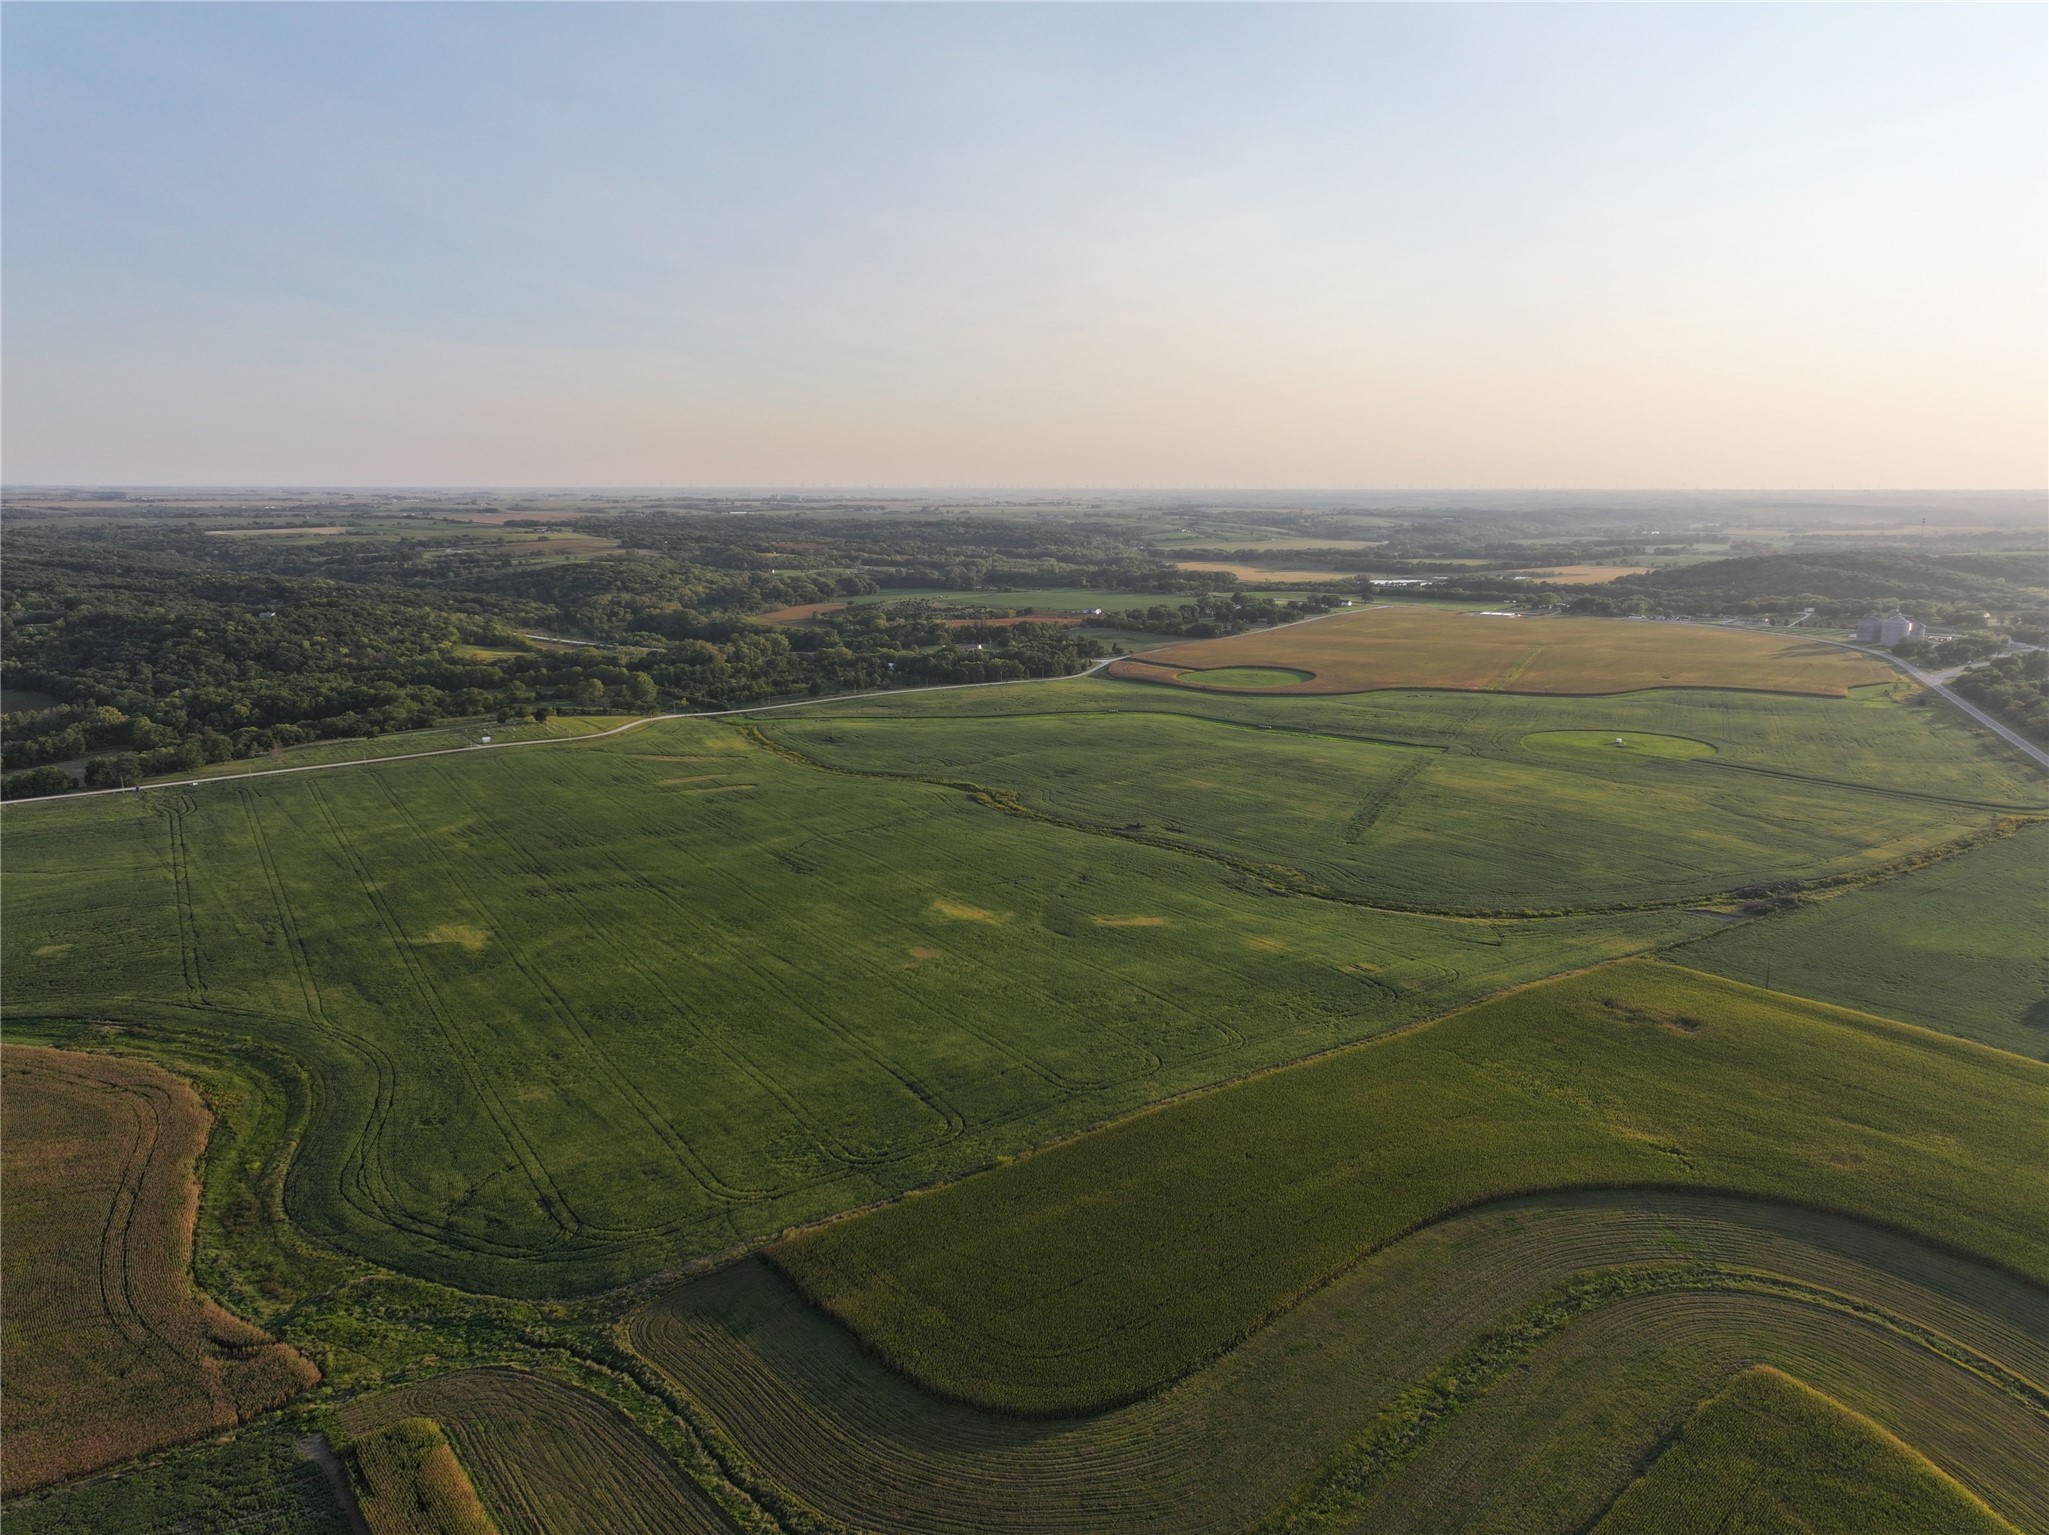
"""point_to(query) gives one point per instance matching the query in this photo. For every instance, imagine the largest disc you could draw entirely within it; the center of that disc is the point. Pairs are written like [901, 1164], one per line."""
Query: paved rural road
[2005, 732]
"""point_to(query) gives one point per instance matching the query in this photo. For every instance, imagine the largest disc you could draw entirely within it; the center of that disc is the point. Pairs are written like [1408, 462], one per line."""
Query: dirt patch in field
[267, 532]
[108, 1352]
[461, 934]
[52, 950]
[1129, 921]
[1262, 573]
[1411, 647]
[798, 613]
[960, 911]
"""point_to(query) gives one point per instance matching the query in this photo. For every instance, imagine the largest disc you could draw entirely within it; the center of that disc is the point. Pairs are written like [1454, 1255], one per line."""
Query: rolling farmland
[1235, 1442]
[1048, 960]
[108, 1354]
[1407, 647]
[1103, 1269]
[1472, 805]
[1958, 946]
[829, 989]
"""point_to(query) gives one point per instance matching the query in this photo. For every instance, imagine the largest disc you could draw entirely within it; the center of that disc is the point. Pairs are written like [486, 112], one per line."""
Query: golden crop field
[412, 1484]
[1581, 575]
[1410, 647]
[1265, 573]
[109, 1353]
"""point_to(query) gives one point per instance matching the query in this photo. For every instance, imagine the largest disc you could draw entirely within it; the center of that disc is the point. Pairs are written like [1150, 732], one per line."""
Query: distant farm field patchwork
[1107, 1266]
[1411, 647]
[108, 1353]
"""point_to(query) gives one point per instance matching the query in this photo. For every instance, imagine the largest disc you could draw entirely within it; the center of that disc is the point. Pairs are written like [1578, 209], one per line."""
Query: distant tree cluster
[2013, 688]
[165, 649]
[1957, 651]
[1840, 587]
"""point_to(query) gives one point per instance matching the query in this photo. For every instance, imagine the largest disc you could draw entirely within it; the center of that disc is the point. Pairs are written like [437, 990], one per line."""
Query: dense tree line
[1840, 587]
[1964, 648]
[1209, 617]
[2015, 689]
[163, 648]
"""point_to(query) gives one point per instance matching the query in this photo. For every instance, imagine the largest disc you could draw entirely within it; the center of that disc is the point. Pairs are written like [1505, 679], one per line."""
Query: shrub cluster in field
[1100, 1269]
[1769, 1453]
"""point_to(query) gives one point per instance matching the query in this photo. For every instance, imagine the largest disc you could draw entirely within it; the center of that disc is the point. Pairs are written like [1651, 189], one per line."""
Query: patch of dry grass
[108, 1351]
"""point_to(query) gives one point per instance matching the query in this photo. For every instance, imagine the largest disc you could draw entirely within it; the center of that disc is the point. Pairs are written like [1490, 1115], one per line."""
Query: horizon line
[985, 489]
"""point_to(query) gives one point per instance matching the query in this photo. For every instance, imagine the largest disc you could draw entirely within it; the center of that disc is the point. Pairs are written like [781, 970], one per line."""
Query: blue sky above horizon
[1370, 245]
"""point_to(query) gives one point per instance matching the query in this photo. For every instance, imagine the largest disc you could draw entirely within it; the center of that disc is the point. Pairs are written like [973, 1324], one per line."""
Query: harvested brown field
[798, 613]
[1261, 573]
[546, 1458]
[271, 532]
[1408, 647]
[108, 1351]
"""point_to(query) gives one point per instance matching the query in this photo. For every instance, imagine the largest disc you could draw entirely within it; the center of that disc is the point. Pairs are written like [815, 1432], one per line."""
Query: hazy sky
[1202, 245]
